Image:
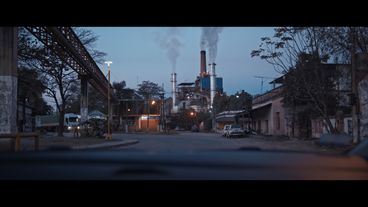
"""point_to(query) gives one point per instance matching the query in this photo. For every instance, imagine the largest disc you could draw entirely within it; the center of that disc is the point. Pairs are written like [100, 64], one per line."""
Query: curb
[102, 146]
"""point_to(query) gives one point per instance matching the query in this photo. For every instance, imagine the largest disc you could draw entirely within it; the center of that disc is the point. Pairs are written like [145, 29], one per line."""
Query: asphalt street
[188, 141]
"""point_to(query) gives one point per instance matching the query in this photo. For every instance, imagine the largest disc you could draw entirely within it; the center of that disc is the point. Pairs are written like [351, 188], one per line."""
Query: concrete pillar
[84, 99]
[8, 79]
[363, 103]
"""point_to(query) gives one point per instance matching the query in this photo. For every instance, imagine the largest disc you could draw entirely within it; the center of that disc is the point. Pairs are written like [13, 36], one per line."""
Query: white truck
[51, 122]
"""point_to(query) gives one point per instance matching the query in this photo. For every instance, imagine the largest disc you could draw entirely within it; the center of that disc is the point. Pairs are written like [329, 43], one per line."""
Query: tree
[343, 40]
[283, 49]
[149, 90]
[119, 89]
[59, 79]
[29, 79]
[238, 101]
[221, 102]
[311, 84]
[300, 53]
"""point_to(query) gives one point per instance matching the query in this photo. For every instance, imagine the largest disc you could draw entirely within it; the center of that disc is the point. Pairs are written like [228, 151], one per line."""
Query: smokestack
[212, 82]
[203, 63]
[173, 84]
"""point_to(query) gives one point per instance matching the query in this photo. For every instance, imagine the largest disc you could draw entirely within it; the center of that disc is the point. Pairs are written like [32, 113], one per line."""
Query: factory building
[197, 95]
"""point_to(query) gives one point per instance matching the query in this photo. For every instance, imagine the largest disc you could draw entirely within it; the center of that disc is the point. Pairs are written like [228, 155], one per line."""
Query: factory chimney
[173, 84]
[203, 63]
[212, 82]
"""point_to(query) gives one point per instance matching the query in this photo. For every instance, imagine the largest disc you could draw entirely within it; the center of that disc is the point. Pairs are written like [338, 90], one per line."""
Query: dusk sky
[137, 56]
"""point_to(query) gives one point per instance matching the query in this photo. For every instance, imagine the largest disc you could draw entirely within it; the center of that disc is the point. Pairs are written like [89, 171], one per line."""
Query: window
[278, 120]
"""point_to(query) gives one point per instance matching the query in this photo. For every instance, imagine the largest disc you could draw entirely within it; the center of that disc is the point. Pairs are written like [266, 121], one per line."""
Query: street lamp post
[213, 119]
[162, 112]
[108, 136]
[149, 111]
[126, 119]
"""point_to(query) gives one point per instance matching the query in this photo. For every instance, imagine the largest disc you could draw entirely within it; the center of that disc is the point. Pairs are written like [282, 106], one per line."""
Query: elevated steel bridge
[64, 43]
[67, 46]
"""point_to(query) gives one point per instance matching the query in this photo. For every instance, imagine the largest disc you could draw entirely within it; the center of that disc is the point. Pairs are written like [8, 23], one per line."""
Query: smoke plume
[170, 42]
[209, 40]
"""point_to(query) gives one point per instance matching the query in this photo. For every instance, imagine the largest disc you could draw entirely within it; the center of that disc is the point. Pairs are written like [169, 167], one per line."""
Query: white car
[224, 131]
[235, 131]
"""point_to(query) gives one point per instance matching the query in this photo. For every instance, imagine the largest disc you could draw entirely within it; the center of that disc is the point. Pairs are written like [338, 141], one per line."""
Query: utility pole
[148, 114]
[163, 114]
[354, 97]
[126, 116]
[108, 136]
[262, 81]
[162, 117]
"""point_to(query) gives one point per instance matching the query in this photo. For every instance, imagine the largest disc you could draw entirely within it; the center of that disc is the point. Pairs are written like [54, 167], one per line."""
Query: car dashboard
[202, 165]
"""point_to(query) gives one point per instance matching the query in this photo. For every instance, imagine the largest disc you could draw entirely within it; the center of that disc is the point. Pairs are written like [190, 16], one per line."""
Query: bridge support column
[8, 79]
[84, 99]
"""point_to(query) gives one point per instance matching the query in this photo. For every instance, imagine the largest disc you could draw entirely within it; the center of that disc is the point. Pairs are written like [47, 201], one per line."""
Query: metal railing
[17, 137]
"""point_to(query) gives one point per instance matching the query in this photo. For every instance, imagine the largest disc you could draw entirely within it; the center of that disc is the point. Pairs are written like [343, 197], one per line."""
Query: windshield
[178, 89]
[73, 119]
[235, 126]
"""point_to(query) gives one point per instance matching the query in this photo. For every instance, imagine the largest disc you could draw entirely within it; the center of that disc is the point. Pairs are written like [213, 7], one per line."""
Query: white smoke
[209, 40]
[170, 42]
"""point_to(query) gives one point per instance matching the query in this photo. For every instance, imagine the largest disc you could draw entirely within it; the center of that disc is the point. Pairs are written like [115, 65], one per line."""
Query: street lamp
[153, 102]
[162, 117]
[108, 136]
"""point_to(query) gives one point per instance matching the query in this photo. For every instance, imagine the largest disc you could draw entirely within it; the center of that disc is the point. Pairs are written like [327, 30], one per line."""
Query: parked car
[224, 131]
[235, 131]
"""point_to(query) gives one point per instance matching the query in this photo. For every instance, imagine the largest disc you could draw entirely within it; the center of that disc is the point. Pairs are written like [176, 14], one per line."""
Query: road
[187, 141]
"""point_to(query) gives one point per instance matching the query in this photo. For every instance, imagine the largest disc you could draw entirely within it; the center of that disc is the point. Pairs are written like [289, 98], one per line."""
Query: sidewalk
[50, 141]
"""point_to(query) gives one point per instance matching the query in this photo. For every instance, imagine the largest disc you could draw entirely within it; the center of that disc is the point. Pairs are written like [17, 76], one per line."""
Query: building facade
[268, 113]
[241, 117]
[319, 127]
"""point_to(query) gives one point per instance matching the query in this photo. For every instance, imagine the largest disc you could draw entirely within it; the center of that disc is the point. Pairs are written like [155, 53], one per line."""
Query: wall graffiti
[4, 106]
[8, 106]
